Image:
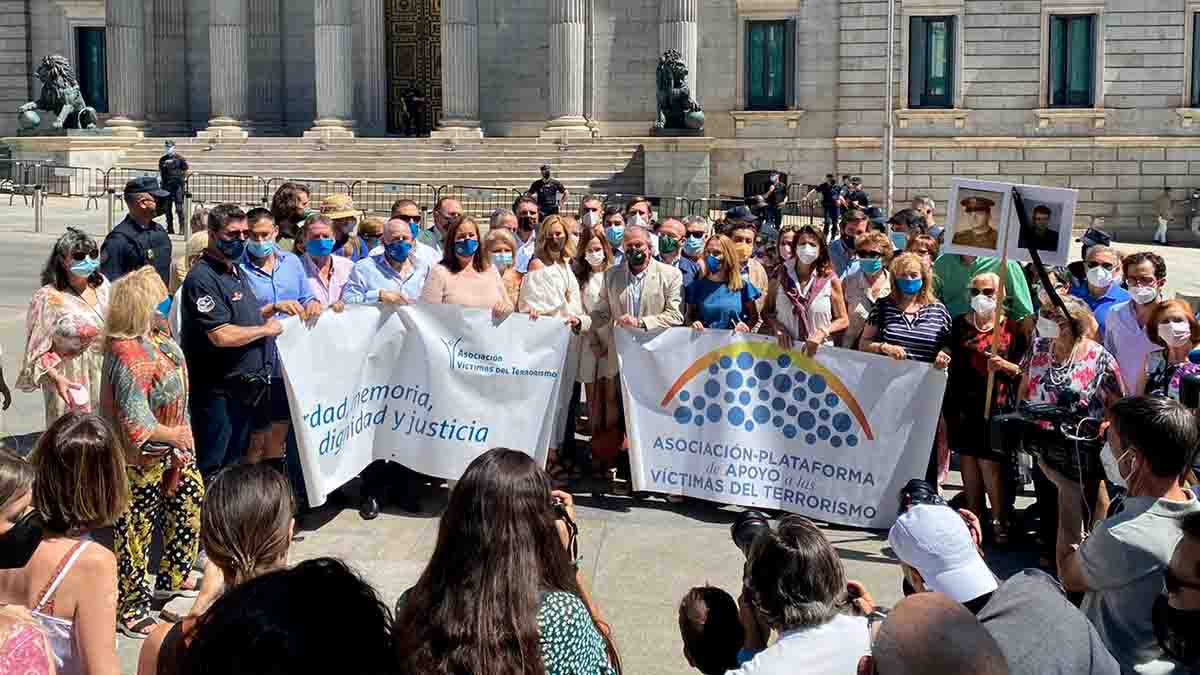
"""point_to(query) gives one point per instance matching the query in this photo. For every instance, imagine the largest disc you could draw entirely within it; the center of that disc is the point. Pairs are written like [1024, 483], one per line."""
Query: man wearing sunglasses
[446, 213]
[1102, 289]
[1121, 567]
[137, 240]
[408, 211]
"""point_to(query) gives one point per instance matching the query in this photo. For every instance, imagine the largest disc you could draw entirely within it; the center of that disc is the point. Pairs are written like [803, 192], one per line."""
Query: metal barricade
[479, 202]
[60, 180]
[16, 178]
[378, 197]
[227, 188]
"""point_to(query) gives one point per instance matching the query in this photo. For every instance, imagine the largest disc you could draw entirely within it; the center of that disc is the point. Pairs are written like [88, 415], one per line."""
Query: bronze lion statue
[60, 95]
[676, 107]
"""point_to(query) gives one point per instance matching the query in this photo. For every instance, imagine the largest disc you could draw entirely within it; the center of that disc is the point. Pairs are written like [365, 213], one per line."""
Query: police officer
[172, 169]
[229, 346]
[137, 240]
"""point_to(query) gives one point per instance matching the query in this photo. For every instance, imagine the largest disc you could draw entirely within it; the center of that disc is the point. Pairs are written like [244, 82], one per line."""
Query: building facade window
[91, 66]
[931, 62]
[1072, 61]
[1195, 102]
[770, 52]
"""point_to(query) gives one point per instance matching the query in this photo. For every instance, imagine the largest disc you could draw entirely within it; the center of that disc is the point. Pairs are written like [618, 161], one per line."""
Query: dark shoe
[369, 509]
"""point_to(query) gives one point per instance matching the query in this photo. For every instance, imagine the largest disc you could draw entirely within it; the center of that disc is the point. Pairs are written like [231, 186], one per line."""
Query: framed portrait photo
[1050, 213]
[976, 217]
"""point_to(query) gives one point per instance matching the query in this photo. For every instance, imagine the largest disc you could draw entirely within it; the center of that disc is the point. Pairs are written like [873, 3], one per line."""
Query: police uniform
[976, 238]
[173, 168]
[131, 246]
[229, 398]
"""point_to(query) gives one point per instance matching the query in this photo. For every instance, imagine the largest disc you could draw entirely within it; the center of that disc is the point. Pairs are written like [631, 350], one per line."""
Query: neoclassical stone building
[1099, 95]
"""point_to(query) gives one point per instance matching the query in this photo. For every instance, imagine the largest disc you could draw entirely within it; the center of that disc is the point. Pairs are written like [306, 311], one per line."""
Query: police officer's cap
[740, 214]
[977, 204]
[146, 184]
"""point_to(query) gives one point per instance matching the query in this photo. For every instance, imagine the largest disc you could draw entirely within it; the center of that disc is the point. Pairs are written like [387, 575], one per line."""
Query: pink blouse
[468, 288]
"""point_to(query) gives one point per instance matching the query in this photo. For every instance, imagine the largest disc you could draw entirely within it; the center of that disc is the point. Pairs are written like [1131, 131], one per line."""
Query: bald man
[930, 633]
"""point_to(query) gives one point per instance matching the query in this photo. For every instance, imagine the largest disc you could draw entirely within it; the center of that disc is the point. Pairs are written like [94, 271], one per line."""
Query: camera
[747, 527]
[1062, 439]
[560, 513]
[918, 491]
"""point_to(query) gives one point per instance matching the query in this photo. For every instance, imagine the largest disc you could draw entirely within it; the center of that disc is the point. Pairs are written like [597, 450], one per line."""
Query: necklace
[982, 329]
[566, 277]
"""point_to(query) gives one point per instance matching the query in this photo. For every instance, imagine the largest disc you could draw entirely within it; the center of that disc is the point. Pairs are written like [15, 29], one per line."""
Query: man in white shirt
[408, 211]
[1125, 328]
[527, 222]
[795, 584]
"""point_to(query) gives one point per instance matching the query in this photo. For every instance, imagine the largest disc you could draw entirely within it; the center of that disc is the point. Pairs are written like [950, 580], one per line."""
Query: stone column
[333, 35]
[168, 107]
[460, 70]
[677, 30]
[370, 68]
[124, 25]
[229, 57]
[265, 57]
[567, 20]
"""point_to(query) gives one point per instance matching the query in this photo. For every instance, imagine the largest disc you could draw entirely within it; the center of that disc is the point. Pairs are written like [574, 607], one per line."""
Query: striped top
[922, 335]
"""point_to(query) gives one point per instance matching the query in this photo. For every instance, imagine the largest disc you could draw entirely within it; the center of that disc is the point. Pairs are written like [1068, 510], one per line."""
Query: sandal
[138, 629]
[190, 588]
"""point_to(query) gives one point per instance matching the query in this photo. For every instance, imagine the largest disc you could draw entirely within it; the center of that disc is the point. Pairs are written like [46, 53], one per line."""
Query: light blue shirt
[288, 281]
[636, 282]
[432, 238]
[374, 274]
[841, 256]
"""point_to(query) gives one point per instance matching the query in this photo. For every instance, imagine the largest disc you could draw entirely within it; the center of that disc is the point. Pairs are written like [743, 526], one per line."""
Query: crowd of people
[131, 347]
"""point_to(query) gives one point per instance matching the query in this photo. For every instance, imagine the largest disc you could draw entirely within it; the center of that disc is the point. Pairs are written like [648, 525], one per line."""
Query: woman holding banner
[972, 339]
[722, 299]
[598, 358]
[810, 306]
[551, 289]
[465, 276]
[869, 282]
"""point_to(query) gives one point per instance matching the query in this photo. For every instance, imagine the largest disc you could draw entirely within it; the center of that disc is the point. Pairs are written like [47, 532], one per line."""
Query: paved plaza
[638, 557]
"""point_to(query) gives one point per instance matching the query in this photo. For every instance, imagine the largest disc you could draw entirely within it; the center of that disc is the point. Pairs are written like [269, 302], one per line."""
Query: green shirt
[952, 279]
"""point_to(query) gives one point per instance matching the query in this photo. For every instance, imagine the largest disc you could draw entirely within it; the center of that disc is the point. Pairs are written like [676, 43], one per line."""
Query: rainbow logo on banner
[747, 385]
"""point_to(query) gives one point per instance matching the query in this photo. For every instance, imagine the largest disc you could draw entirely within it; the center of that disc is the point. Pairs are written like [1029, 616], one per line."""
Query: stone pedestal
[679, 171]
[567, 22]
[124, 23]
[91, 148]
[333, 36]
[229, 55]
[460, 71]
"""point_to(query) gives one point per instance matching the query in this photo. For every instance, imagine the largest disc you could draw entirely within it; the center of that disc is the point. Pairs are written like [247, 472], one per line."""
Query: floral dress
[571, 645]
[63, 331]
[1093, 375]
[1162, 378]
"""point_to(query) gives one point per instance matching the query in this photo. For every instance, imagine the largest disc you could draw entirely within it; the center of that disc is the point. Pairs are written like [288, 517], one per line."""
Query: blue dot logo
[745, 360]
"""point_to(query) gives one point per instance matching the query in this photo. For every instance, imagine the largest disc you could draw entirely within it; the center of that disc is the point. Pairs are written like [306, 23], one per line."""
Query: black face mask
[18, 544]
[635, 258]
[1178, 632]
[527, 223]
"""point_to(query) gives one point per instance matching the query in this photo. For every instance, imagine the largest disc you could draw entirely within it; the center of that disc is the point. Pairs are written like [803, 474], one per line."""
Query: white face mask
[1047, 328]
[637, 220]
[1175, 333]
[1143, 295]
[590, 218]
[595, 258]
[1100, 277]
[983, 305]
[1112, 467]
[807, 253]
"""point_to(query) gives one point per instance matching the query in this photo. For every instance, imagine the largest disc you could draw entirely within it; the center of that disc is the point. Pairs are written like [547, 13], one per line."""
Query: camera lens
[747, 527]
[918, 491]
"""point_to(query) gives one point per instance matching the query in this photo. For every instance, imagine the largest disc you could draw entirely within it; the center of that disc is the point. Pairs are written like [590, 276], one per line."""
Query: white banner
[429, 386]
[735, 419]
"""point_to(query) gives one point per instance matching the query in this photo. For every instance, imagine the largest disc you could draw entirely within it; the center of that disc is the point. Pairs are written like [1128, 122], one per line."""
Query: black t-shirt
[828, 194]
[215, 295]
[131, 246]
[776, 198]
[546, 191]
[173, 171]
[858, 199]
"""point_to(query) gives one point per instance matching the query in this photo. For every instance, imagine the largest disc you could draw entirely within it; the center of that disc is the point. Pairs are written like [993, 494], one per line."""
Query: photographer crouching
[1120, 567]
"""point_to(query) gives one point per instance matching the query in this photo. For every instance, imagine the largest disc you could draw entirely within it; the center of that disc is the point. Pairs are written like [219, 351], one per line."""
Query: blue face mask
[319, 248]
[232, 249]
[910, 286]
[164, 307]
[870, 265]
[502, 261]
[466, 247]
[86, 267]
[260, 249]
[693, 245]
[371, 242]
[899, 240]
[416, 229]
[615, 234]
[713, 263]
[398, 250]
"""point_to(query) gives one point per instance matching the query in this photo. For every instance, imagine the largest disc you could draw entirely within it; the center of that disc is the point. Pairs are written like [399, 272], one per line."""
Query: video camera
[1055, 433]
[1189, 384]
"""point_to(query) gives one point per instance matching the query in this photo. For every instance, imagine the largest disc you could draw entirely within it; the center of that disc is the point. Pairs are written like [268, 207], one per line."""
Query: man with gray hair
[930, 633]
[924, 205]
[137, 240]
[671, 236]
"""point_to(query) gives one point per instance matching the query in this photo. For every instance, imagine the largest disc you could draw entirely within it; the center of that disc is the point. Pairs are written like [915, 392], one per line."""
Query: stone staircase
[379, 170]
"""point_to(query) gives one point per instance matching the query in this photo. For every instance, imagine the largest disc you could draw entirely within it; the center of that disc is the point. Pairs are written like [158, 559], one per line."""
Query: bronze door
[414, 58]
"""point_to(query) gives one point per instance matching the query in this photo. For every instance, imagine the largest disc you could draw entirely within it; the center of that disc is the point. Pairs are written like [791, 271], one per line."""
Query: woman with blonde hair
[246, 529]
[501, 248]
[69, 582]
[196, 244]
[144, 396]
[722, 299]
[551, 289]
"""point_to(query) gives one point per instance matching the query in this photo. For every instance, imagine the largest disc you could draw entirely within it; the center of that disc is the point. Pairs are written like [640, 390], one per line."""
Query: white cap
[935, 540]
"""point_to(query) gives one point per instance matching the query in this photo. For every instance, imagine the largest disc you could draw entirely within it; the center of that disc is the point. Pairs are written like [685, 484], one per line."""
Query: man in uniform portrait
[976, 229]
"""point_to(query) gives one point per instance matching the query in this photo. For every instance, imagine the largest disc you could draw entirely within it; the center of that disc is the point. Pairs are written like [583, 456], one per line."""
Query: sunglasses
[78, 256]
[1174, 584]
[990, 292]
[870, 255]
[410, 219]
[1095, 263]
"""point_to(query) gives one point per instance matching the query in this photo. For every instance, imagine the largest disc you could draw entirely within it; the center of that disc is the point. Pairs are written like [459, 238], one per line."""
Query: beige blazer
[661, 296]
